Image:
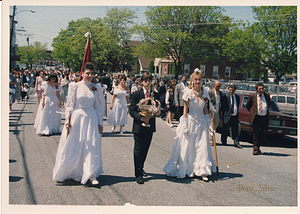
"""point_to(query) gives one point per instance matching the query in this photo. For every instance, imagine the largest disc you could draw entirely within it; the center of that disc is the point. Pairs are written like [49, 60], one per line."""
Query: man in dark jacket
[162, 90]
[259, 104]
[230, 115]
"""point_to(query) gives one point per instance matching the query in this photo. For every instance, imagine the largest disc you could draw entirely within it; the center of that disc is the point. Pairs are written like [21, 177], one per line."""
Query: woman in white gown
[48, 117]
[192, 153]
[119, 106]
[79, 152]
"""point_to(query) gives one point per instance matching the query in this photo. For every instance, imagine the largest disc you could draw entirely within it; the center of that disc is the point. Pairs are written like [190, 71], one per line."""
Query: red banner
[87, 55]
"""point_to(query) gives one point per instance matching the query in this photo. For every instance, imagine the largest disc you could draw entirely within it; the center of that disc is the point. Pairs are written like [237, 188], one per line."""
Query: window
[186, 68]
[274, 107]
[202, 68]
[215, 71]
[281, 99]
[170, 69]
[227, 71]
[245, 75]
[165, 68]
[217, 54]
[236, 72]
[291, 100]
[245, 98]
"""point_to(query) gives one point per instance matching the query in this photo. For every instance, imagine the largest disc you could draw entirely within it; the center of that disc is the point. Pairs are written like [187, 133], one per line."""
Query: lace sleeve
[99, 104]
[187, 94]
[70, 100]
[205, 94]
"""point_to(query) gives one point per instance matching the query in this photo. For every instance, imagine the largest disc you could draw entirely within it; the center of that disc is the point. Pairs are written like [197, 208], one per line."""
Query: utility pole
[11, 36]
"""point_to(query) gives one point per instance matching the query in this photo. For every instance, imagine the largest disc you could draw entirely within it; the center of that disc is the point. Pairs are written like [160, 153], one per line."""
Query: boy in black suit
[142, 135]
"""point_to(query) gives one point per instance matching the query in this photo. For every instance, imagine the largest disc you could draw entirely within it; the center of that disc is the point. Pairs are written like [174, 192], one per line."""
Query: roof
[144, 63]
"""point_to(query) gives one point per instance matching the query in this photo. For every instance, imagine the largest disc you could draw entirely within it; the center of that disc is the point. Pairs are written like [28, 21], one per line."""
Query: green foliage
[151, 67]
[35, 51]
[175, 32]
[270, 43]
[119, 22]
[108, 51]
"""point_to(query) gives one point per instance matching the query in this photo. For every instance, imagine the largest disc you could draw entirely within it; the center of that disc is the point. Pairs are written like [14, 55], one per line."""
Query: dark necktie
[232, 104]
[147, 94]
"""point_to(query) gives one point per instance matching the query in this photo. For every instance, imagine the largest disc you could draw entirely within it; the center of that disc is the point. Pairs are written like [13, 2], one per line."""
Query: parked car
[242, 87]
[286, 102]
[280, 124]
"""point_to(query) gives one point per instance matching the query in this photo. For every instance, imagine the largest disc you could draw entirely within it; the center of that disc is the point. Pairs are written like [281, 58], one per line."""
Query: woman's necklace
[198, 95]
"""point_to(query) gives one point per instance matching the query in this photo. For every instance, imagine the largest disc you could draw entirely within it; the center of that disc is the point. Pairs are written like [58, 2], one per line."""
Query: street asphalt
[258, 182]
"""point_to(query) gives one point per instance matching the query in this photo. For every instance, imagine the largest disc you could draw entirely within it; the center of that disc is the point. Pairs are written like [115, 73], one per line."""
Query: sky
[47, 21]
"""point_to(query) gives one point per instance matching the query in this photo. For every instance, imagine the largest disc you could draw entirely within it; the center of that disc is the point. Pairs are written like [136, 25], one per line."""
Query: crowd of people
[84, 97]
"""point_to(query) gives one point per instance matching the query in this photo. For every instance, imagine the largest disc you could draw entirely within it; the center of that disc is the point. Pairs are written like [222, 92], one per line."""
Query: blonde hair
[196, 73]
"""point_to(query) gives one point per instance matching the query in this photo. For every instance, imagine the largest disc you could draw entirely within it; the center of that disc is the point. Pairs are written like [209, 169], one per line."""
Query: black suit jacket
[137, 118]
[226, 106]
[162, 94]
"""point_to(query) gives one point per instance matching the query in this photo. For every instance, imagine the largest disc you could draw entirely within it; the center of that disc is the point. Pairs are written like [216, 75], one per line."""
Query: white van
[286, 103]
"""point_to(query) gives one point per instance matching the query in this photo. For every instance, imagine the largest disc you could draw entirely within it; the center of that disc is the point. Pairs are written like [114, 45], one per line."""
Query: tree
[120, 21]
[170, 32]
[270, 43]
[36, 51]
[151, 67]
[108, 52]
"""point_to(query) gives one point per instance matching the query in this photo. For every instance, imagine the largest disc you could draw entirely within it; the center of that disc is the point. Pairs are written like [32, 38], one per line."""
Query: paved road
[266, 180]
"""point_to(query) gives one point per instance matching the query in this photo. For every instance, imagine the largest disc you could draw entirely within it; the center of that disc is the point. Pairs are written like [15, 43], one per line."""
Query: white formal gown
[79, 155]
[192, 154]
[48, 119]
[118, 115]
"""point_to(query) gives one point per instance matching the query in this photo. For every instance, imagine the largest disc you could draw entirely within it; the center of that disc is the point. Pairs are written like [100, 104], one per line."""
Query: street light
[32, 11]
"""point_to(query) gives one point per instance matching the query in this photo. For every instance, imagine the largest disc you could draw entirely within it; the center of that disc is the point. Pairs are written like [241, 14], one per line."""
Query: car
[286, 102]
[280, 124]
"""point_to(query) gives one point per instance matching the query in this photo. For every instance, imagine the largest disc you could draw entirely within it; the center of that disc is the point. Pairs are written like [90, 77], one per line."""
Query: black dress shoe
[238, 146]
[140, 180]
[144, 173]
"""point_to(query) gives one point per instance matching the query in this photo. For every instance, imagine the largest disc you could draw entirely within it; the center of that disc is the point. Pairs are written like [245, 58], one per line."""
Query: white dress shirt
[235, 105]
[145, 91]
[264, 105]
[217, 95]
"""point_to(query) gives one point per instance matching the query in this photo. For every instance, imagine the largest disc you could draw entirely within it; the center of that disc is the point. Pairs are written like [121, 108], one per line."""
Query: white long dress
[118, 115]
[192, 154]
[79, 155]
[48, 119]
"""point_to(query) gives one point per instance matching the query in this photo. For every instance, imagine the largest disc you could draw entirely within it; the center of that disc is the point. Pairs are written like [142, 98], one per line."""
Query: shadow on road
[15, 178]
[117, 134]
[274, 154]
[224, 176]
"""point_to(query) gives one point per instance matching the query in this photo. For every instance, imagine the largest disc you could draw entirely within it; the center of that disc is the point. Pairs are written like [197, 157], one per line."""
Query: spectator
[215, 97]
[259, 104]
[179, 102]
[170, 103]
[162, 94]
[12, 89]
[230, 115]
